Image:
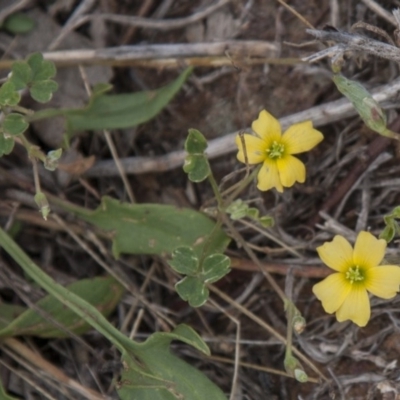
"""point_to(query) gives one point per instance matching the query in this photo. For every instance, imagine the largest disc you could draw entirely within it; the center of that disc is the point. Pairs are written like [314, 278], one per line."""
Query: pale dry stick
[134, 304]
[237, 347]
[111, 144]
[257, 367]
[142, 12]
[335, 12]
[381, 159]
[379, 10]
[294, 12]
[319, 115]
[13, 8]
[84, 7]
[136, 325]
[267, 327]
[23, 376]
[145, 23]
[267, 234]
[351, 42]
[43, 365]
[164, 320]
[241, 49]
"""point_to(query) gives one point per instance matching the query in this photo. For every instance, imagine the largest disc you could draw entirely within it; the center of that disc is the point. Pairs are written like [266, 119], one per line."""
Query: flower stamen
[276, 150]
[354, 274]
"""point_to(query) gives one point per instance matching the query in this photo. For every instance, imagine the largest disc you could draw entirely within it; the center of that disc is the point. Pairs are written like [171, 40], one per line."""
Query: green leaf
[388, 233]
[193, 290]
[103, 293]
[197, 167]
[19, 23]
[215, 266]
[184, 260]
[367, 107]
[122, 110]
[14, 124]
[21, 74]
[163, 375]
[8, 95]
[42, 69]
[6, 145]
[267, 221]
[9, 312]
[151, 228]
[42, 91]
[195, 143]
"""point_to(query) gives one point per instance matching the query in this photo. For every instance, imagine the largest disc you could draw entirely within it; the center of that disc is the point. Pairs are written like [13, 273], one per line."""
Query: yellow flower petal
[337, 254]
[255, 149]
[267, 127]
[383, 281]
[368, 250]
[268, 177]
[332, 292]
[355, 307]
[291, 170]
[301, 137]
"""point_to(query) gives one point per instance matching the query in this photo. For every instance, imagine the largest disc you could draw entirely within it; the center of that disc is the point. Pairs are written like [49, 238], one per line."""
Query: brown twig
[375, 148]
[303, 271]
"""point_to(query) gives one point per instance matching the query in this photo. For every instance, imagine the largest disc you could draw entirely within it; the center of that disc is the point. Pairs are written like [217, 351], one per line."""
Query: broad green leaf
[184, 260]
[124, 110]
[42, 91]
[8, 95]
[195, 143]
[197, 167]
[192, 290]
[172, 378]
[151, 228]
[21, 74]
[18, 23]
[102, 293]
[367, 107]
[215, 266]
[8, 313]
[117, 111]
[6, 145]
[14, 124]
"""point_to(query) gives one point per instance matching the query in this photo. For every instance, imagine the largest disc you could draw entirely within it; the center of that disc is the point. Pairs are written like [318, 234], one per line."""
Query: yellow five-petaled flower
[280, 169]
[358, 272]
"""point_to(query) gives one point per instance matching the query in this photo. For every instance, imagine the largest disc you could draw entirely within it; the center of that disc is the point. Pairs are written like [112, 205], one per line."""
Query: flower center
[354, 274]
[276, 150]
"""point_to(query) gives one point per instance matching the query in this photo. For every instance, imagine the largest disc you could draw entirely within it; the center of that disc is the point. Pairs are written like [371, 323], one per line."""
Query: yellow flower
[358, 272]
[280, 169]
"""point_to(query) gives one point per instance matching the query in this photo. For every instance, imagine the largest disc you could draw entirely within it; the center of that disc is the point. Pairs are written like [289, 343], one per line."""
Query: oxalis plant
[192, 242]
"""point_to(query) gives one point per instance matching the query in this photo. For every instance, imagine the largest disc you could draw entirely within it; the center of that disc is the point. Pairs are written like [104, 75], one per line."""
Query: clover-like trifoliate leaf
[9, 95]
[193, 290]
[184, 260]
[21, 74]
[215, 267]
[195, 143]
[42, 91]
[14, 124]
[6, 145]
[197, 167]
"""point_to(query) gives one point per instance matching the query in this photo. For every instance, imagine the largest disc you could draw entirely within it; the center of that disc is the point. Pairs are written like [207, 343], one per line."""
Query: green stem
[242, 185]
[85, 310]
